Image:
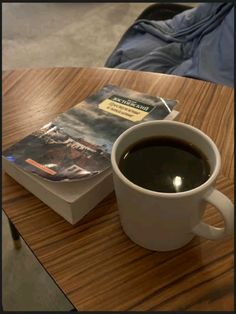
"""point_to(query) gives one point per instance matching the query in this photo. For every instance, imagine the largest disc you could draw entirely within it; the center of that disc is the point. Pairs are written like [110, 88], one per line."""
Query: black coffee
[165, 164]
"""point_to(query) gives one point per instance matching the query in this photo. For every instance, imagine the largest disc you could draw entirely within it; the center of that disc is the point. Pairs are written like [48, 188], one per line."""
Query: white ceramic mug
[167, 221]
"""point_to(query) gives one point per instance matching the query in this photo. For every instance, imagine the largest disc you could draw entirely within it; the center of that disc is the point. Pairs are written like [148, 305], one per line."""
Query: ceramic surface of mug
[166, 221]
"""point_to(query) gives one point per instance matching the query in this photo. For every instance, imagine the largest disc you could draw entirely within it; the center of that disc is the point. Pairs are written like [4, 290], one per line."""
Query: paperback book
[66, 163]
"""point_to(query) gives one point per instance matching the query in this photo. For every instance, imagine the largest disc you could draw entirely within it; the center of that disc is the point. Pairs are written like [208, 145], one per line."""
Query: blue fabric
[197, 43]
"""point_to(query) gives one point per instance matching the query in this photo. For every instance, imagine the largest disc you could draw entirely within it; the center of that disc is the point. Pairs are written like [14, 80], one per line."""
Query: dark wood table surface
[94, 263]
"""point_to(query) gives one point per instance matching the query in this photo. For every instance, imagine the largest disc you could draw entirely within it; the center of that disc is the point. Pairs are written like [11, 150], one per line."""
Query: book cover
[77, 143]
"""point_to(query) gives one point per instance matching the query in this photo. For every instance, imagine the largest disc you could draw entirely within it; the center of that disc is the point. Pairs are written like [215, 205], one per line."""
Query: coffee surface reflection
[165, 164]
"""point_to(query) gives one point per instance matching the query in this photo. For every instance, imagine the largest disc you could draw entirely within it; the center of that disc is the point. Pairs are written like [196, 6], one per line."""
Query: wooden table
[94, 263]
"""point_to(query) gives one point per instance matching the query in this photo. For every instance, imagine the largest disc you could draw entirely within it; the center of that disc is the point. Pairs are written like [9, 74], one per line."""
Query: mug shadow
[187, 256]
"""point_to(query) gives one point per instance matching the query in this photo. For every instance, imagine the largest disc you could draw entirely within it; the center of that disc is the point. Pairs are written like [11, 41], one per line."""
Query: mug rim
[140, 189]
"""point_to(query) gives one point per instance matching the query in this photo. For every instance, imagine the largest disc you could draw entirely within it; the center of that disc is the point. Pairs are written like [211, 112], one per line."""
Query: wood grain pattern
[94, 263]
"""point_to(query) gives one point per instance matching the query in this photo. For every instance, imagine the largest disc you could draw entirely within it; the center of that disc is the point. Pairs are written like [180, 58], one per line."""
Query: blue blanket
[197, 43]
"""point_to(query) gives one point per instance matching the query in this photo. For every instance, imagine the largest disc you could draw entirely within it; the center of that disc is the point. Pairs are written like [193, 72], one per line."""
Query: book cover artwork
[77, 143]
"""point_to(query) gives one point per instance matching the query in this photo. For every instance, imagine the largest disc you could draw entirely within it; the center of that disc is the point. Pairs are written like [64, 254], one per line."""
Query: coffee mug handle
[226, 208]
